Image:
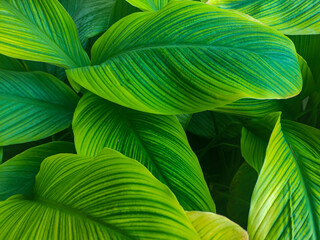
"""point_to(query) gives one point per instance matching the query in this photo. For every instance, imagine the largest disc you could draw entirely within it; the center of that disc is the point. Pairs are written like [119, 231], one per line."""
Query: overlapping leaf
[149, 5]
[7, 63]
[33, 105]
[40, 31]
[294, 17]
[17, 175]
[107, 197]
[195, 67]
[90, 16]
[156, 141]
[212, 226]
[286, 201]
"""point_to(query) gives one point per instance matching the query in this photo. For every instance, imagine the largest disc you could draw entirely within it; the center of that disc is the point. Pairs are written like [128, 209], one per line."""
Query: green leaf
[18, 173]
[286, 201]
[158, 142]
[195, 67]
[121, 9]
[7, 63]
[292, 17]
[33, 105]
[90, 16]
[291, 107]
[241, 189]
[107, 197]
[1, 155]
[40, 31]
[212, 226]
[149, 5]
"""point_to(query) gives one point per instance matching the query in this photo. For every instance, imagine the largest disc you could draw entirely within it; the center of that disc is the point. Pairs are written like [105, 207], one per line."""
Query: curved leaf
[149, 5]
[40, 31]
[90, 16]
[290, 108]
[292, 17]
[33, 105]
[196, 67]
[107, 197]
[7, 63]
[18, 173]
[241, 188]
[158, 142]
[212, 226]
[286, 201]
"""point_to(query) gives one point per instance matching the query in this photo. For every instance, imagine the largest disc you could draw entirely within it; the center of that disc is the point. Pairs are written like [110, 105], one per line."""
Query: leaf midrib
[52, 43]
[174, 45]
[36, 102]
[79, 214]
[304, 186]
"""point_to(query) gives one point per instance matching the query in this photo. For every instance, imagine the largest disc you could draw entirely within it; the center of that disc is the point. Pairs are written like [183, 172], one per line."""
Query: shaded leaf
[8, 63]
[17, 175]
[33, 105]
[158, 142]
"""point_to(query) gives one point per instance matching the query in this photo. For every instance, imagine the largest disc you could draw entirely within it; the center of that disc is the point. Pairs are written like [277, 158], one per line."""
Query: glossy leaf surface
[158, 142]
[40, 31]
[195, 68]
[286, 201]
[293, 17]
[17, 175]
[107, 197]
[212, 226]
[33, 105]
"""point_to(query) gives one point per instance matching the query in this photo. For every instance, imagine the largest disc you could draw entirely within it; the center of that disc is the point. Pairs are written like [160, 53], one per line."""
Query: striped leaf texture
[149, 5]
[107, 197]
[290, 107]
[33, 105]
[40, 30]
[286, 201]
[90, 16]
[212, 226]
[292, 17]
[17, 175]
[186, 58]
[158, 142]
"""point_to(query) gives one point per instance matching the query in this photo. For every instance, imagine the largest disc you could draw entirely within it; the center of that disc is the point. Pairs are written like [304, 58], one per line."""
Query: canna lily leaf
[107, 197]
[285, 202]
[292, 17]
[90, 16]
[17, 175]
[33, 105]
[290, 107]
[40, 31]
[149, 5]
[212, 226]
[139, 65]
[241, 189]
[7, 63]
[158, 142]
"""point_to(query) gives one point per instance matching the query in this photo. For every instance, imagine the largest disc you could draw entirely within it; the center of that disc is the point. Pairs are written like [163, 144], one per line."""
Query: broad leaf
[241, 189]
[33, 105]
[158, 142]
[107, 197]
[139, 65]
[212, 226]
[293, 17]
[149, 5]
[40, 31]
[7, 63]
[291, 107]
[285, 202]
[90, 16]
[17, 175]
[121, 9]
